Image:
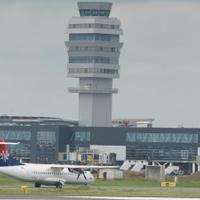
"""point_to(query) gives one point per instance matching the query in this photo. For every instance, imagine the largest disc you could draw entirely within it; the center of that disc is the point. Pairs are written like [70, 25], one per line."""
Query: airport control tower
[94, 47]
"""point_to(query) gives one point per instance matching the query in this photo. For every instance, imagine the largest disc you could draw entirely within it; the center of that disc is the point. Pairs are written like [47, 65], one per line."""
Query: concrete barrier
[155, 172]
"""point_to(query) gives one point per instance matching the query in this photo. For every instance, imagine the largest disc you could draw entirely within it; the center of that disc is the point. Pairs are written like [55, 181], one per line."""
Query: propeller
[80, 171]
[83, 173]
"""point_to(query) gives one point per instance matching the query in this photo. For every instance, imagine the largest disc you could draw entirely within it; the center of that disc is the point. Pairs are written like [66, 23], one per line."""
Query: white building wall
[110, 174]
[91, 112]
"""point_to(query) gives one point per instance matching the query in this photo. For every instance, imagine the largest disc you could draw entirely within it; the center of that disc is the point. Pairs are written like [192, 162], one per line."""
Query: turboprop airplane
[49, 174]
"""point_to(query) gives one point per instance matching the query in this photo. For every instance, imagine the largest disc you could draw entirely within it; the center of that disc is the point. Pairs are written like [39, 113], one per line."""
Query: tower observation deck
[93, 48]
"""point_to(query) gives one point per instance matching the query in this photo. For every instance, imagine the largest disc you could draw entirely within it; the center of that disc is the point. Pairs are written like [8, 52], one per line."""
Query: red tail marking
[3, 147]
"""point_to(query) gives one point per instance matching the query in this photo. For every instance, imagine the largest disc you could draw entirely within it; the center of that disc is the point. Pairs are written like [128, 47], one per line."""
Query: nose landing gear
[59, 185]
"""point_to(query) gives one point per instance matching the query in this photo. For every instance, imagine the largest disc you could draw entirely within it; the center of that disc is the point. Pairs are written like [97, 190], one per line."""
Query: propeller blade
[78, 176]
[84, 175]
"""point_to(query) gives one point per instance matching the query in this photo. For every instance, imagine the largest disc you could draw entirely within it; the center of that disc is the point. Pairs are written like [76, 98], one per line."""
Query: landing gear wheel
[37, 185]
[59, 185]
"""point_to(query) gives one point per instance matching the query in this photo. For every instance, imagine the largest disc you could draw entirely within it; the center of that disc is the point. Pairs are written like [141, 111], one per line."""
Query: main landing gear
[37, 185]
[59, 185]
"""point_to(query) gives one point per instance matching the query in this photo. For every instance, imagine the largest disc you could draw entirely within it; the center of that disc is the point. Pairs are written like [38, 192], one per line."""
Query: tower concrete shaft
[93, 49]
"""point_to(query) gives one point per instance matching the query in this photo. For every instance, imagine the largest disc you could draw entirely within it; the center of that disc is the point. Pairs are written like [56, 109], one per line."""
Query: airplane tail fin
[5, 158]
[3, 146]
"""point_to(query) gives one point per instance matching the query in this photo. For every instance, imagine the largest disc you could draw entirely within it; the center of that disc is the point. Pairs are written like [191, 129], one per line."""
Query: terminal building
[93, 47]
[53, 140]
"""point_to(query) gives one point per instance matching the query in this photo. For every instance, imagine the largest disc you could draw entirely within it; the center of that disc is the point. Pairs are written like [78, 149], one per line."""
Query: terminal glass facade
[46, 146]
[166, 154]
[22, 150]
[82, 136]
[161, 146]
[16, 135]
[162, 137]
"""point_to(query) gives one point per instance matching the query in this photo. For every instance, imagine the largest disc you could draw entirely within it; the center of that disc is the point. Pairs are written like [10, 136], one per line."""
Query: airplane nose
[91, 178]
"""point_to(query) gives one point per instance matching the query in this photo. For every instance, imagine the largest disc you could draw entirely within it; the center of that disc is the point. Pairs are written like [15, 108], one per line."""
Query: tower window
[96, 49]
[89, 59]
[94, 25]
[93, 36]
[93, 12]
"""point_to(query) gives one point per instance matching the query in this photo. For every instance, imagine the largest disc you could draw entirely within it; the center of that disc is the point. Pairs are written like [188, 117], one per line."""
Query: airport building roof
[30, 120]
[139, 122]
[6, 120]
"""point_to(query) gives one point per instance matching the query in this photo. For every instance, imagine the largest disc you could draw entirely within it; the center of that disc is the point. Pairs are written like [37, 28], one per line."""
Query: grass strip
[119, 187]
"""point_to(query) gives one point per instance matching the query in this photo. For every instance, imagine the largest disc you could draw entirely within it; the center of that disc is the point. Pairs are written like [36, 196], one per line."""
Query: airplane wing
[92, 167]
[12, 143]
[61, 167]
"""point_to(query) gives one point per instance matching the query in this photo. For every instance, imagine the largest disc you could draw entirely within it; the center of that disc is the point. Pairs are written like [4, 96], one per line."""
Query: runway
[31, 197]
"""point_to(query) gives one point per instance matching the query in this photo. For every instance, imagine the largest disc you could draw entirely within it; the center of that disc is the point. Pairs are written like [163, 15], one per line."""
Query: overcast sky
[160, 60]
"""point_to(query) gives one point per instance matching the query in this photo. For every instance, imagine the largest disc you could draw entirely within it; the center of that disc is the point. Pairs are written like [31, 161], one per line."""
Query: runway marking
[127, 198]
[94, 197]
[25, 198]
